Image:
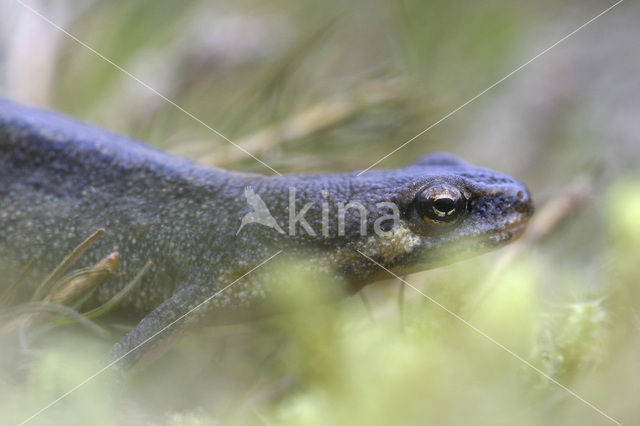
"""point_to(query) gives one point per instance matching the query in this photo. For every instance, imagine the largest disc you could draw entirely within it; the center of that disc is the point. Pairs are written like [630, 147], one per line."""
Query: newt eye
[440, 203]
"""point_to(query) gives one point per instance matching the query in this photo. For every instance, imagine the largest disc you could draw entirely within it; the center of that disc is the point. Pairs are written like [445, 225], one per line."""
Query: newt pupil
[444, 204]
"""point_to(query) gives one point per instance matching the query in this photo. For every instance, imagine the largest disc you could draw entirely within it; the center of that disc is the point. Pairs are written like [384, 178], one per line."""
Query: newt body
[61, 180]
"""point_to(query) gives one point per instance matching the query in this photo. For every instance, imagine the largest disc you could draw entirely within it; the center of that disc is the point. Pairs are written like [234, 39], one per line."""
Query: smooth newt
[61, 180]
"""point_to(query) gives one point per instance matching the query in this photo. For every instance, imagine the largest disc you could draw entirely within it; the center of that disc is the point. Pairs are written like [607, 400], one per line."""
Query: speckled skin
[61, 180]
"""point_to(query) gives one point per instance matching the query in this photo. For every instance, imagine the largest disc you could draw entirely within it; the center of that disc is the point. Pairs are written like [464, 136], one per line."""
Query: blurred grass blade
[111, 303]
[321, 117]
[8, 294]
[25, 313]
[81, 283]
[75, 253]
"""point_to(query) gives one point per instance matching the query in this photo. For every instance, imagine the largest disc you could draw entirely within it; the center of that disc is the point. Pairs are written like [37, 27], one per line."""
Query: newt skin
[61, 180]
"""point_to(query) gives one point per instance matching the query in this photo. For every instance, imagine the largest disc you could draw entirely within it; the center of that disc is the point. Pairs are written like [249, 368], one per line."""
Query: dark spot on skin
[520, 195]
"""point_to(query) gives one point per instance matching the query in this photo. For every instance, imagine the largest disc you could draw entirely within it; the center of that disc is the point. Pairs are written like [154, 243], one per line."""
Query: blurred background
[334, 86]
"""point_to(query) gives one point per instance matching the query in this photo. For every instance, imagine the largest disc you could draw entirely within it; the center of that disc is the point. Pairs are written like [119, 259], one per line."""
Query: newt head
[449, 211]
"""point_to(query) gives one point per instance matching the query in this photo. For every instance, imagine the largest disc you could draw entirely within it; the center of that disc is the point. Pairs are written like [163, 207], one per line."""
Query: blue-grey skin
[61, 180]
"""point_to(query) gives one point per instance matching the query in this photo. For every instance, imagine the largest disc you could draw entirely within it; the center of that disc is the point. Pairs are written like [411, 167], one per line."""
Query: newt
[205, 227]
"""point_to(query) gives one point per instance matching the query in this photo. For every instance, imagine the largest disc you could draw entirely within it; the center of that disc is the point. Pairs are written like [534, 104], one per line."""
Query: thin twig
[367, 305]
[401, 301]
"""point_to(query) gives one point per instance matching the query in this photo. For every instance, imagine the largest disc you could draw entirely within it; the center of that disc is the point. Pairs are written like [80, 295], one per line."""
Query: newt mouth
[510, 233]
[425, 256]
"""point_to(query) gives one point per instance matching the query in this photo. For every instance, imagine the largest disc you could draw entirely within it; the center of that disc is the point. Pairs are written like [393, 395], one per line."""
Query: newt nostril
[524, 202]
